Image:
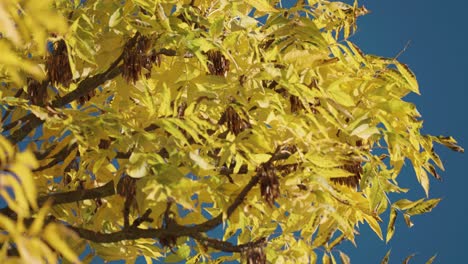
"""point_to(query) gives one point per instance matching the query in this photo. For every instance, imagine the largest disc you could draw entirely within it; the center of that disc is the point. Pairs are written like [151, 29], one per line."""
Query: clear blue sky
[438, 34]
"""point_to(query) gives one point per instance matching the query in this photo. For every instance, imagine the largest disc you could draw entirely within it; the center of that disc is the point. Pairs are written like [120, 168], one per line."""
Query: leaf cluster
[154, 122]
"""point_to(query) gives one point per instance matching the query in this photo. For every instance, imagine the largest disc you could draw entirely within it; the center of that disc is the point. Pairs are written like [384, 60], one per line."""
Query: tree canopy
[175, 130]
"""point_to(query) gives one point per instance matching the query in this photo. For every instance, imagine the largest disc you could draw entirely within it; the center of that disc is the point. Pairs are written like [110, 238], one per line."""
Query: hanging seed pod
[234, 122]
[57, 64]
[126, 186]
[217, 63]
[269, 184]
[351, 181]
[168, 241]
[127, 189]
[87, 97]
[181, 110]
[296, 104]
[138, 55]
[255, 255]
[37, 92]
[104, 143]
[167, 223]
[287, 168]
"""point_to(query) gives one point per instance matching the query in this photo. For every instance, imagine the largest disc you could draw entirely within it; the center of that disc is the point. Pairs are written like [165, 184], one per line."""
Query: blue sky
[438, 35]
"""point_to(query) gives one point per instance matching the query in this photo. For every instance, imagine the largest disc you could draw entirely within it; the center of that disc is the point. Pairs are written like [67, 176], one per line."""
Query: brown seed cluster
[168, 241]
[139, 55]
[37, 92]
[296, 104]
[269, 183]
[57, 64]
[234, 121]
[127, 188]
[168, 223]
[255, 255]
[85, 98]
[287, 168]
[217, 63]
[351, 181]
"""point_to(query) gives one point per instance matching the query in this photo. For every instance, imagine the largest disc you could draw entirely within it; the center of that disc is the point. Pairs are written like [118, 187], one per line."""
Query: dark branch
[84, 87]
[227, 246]
[144, 218]
[79, 195]
[212, 223]
[59, 157]
[138, 233]
[69, 197]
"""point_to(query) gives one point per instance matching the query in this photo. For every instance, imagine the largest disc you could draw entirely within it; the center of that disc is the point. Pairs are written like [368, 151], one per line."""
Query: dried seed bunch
[37, 92]
[269, 184]
[138, 55]
[287, 168]
[234, 121]
[351, 181]
[85, 98]
[217, 63]
[127, 186]
[296, 104]
[167, 223]
[255, 255]
[57, 64]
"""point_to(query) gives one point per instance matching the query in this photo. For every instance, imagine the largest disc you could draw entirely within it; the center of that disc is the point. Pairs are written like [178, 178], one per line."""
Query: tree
[137, 127]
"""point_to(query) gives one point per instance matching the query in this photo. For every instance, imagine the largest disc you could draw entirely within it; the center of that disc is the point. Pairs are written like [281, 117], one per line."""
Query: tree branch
[84, 87]
[79, 195]
[212, 223]
[134, 233]
[69, 197]
[227, 246]
[60, 156]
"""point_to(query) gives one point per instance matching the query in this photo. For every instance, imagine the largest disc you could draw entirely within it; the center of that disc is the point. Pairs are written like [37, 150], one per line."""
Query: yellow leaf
[325, 259]
[344, 258]
[409, 77]
[407, 218]
[200, 161]
[115, 18]
[364, 131]
[431, 259]
[407, 259]
[8, 225]
[374, 225]
[38, 223]
[261, 5]
[51, 235]
[391, 224]
[386, 258]
[423, 207]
